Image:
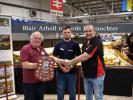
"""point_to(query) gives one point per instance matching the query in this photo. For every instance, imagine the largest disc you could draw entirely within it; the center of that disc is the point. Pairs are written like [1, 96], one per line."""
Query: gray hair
[87, 25]
[32, 35]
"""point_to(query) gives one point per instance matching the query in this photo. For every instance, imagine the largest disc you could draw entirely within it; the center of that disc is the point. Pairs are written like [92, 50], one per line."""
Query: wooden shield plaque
[45, 69]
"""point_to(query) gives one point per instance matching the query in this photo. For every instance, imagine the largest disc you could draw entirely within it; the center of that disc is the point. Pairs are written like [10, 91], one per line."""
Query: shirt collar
[33, 47]
[92, 39]
[66, 41]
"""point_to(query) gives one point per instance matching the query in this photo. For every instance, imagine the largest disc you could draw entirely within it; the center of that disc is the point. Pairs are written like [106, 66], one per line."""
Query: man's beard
[67, 38]
[89, 38]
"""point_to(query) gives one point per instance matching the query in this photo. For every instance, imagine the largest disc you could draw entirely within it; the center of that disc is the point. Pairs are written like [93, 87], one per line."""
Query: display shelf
[3, 95]
[8, 79]
[7, 85]
[120, 67]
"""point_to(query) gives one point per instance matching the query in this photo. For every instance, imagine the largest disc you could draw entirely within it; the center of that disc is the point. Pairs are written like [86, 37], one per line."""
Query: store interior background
[40, 10]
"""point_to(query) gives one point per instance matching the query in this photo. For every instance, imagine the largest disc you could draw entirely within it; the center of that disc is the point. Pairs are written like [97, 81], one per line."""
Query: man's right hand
[65, 69]
[61, 65]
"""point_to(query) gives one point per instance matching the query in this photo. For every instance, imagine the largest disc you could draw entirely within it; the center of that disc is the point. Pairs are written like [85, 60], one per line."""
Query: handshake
[64, 64]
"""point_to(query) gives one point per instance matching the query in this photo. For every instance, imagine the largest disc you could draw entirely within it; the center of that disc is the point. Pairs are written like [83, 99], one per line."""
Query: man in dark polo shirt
[92, 64]
[66, 49]
[33, 89]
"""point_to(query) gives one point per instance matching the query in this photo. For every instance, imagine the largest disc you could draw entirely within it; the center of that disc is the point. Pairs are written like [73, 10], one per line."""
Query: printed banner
[6, 56]
[28, 26]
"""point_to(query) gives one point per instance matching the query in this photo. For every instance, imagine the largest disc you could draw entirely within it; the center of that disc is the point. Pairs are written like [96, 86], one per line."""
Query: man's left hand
[67, 63]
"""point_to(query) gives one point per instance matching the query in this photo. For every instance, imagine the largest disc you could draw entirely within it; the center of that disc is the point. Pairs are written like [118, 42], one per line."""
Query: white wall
[25, 13]
[37, 4]
[45, 4]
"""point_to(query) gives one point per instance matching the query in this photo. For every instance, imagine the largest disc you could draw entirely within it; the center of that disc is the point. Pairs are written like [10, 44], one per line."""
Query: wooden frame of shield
[45, 69]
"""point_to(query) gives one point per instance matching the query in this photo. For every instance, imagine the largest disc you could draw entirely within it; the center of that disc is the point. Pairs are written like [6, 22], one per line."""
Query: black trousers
[33, 91]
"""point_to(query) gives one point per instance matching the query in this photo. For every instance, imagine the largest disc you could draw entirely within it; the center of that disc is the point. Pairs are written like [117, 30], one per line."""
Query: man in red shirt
[92, 64]
[29, 54]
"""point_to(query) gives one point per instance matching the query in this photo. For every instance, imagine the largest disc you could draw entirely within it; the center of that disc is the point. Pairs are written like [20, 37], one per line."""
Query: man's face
[36, 39]
[67, 34]
[89, 32]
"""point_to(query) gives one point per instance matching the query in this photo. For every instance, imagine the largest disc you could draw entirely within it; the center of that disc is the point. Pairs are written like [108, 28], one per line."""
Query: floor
[82, 97]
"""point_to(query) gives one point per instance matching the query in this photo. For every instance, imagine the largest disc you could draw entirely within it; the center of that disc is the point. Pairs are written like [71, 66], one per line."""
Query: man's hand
[62, 64]
[67, 63]
[65, 69]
